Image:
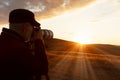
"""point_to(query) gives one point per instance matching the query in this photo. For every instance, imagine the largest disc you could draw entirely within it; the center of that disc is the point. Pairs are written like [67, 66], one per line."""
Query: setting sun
[82, 39]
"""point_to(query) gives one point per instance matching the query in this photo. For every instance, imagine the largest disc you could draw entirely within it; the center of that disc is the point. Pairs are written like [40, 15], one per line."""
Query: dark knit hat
[22, 16]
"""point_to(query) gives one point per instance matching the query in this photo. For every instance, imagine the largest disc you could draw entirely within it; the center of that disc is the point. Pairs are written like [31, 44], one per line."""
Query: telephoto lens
[47, 34]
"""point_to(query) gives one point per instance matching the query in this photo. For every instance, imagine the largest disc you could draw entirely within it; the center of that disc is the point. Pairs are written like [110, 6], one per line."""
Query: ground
[76, 64]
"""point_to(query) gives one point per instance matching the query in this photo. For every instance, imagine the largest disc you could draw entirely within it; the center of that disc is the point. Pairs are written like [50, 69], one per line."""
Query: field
[72, 61]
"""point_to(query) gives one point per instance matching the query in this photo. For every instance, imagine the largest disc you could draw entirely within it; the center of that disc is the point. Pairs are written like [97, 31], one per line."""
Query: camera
[47, 34]
[36, 28]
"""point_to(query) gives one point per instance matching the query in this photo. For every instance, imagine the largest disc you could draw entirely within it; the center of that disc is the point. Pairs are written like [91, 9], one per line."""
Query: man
[18, 59]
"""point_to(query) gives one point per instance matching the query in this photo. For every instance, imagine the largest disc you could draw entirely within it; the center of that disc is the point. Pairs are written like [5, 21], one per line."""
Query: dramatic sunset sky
[87, 21]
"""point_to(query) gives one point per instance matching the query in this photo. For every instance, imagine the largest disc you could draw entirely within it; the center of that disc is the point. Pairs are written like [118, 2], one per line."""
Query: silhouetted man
[22, 52]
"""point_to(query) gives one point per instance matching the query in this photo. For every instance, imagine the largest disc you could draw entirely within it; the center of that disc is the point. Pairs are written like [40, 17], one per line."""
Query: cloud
[42, 8]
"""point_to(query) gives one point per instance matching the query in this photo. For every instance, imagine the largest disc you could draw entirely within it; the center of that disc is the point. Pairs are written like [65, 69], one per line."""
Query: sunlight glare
[82, 38]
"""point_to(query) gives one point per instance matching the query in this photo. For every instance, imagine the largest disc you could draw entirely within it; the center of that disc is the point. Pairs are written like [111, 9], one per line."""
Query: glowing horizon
[102, 25]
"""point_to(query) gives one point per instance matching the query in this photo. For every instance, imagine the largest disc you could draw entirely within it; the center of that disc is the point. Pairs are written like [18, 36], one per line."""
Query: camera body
[46, 34]
[36, 28]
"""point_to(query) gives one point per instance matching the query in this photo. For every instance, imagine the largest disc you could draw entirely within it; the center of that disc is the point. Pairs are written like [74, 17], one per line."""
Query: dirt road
[70, 65]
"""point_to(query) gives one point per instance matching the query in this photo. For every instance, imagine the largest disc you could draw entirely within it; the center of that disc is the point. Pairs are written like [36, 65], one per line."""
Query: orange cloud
[42, 8]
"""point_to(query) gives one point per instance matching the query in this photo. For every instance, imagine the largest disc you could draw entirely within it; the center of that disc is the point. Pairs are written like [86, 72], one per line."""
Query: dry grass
[80, 63]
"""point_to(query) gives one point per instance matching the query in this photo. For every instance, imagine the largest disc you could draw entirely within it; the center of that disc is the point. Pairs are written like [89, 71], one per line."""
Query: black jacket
[17, 61]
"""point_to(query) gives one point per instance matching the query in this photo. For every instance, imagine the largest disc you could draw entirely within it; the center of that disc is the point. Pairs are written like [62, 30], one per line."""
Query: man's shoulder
[10, 43]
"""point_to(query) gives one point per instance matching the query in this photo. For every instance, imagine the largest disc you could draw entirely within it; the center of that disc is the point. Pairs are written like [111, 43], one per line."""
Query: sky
[87, 21]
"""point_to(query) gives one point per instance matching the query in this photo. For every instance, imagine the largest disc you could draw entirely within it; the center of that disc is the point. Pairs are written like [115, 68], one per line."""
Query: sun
[82, 38]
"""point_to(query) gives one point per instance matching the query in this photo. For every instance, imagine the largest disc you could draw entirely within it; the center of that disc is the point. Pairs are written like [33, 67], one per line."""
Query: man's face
[28, 30]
